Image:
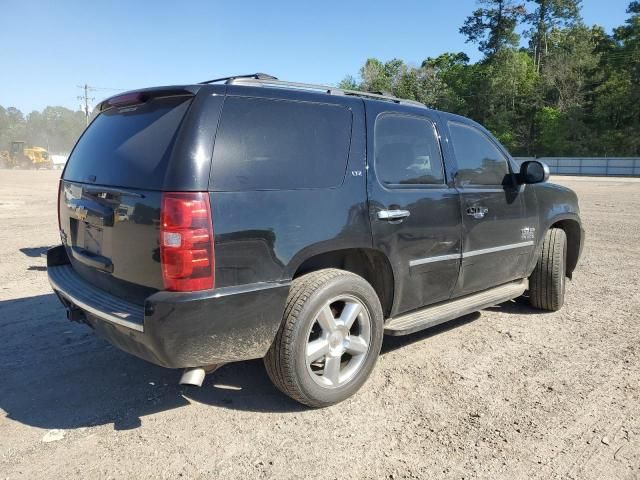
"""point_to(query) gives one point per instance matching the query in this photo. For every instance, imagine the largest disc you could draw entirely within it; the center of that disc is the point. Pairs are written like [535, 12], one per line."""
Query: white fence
[612, 166]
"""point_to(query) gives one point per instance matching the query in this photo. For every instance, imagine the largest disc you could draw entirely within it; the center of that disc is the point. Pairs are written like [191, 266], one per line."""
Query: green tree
[493, 25]
[616, 99]
[574, 91]
[547, 16]
[445, 81]
[55, 128]
[628, 38]
[348, 83]
[629, 34]
[12, 126]
[510, 99]
[570, 63]
[612, 101]
[552, 129]
[375, 77]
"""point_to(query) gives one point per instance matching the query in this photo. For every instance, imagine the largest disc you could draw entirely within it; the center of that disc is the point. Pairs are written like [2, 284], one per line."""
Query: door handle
[393, 214]
[477, 212]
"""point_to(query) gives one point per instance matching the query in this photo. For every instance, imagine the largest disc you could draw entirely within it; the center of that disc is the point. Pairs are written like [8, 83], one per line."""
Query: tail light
[58, 205]
[186, 241]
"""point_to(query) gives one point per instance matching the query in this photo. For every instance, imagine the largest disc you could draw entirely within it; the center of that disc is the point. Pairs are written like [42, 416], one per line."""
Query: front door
[415, 211]
[497, 235]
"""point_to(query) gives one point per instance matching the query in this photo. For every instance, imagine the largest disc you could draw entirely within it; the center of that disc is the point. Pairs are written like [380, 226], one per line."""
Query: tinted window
[479, 160]
[129, 146]
[407, 151]
[265, 144]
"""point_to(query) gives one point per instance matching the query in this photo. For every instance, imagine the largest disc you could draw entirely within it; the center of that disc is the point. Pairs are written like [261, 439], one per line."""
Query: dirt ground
[506, 393]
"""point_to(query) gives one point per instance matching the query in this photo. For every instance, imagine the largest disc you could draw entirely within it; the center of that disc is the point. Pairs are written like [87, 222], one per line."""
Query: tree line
[54, 128]
[547, 84]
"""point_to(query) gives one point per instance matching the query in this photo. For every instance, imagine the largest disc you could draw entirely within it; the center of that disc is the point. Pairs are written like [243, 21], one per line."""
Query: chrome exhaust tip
[195, 376]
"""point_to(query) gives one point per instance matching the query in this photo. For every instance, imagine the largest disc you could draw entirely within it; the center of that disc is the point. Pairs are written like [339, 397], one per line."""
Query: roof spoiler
[137, 97]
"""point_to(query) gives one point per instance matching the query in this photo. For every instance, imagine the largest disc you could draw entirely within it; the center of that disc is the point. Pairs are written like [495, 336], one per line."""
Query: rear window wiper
[121, 191]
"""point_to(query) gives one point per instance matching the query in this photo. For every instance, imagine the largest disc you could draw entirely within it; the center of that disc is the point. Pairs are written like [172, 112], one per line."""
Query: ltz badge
[528, 233]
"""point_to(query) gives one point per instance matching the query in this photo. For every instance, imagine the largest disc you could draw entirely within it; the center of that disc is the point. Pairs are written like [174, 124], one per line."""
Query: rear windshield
[129, 146]
[265, 144]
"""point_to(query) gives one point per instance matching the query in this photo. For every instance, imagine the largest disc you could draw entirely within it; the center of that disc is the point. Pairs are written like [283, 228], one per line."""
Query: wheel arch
[573, 231]
[370, 264]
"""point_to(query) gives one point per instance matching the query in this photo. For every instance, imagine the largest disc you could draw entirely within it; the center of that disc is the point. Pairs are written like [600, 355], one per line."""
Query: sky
[48, 48]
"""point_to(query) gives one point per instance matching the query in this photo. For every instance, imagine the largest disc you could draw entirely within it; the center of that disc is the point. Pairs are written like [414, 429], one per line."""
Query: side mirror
[533, 171]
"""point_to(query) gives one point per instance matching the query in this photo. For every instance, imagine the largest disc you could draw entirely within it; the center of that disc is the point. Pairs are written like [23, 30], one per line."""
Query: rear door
[415, 211]
[497, 236]
[110, 195]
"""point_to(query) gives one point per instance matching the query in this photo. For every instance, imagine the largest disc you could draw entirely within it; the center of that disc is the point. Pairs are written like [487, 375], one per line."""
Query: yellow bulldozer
[21, 156]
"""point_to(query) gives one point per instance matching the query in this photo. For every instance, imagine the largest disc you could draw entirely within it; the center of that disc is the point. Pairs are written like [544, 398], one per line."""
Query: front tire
[329, 340]
[548, 280]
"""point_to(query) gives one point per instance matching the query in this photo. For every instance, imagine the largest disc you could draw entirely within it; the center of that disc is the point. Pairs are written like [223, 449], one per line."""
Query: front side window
[407, 151]
[479, 160]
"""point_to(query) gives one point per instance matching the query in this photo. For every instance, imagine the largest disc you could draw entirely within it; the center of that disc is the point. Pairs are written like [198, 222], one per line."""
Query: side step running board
[443, 312]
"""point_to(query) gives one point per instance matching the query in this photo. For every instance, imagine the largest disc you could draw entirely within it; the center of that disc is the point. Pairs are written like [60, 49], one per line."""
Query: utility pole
[86, 99]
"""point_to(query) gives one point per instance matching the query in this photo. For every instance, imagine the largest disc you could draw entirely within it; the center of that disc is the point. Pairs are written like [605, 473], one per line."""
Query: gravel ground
[505, 393]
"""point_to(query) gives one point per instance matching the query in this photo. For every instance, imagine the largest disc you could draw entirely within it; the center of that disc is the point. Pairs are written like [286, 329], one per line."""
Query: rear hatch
[111, 193]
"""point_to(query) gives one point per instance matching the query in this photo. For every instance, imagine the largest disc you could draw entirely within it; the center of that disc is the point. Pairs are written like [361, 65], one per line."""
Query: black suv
[248, 217]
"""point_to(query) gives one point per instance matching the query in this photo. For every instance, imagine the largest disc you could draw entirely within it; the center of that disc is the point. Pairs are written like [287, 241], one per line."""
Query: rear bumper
[172, 329]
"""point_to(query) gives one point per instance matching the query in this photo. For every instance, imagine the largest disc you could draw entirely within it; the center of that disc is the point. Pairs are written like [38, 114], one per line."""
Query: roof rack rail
[268, 80]
[257, 76]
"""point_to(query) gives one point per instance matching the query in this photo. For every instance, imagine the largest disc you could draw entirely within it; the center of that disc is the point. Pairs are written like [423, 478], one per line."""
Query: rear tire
[548, 280]
[329, 340]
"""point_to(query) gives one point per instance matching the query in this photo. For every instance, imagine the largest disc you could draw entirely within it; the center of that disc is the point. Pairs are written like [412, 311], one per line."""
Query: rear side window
[407, 151]
[265, 144]
[479, 160]
[129, 146]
